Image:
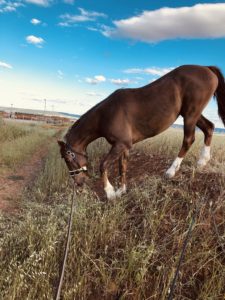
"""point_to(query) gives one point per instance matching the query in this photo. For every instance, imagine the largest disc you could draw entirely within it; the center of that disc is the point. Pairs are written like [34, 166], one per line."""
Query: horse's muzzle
[80, 180]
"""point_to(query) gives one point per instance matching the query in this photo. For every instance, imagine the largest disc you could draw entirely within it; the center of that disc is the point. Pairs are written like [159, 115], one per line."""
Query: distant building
[4, 114]
[34, 115]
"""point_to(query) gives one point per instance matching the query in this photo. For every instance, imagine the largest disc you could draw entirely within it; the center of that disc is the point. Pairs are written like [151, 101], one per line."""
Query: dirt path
[141, 165]
[12, 183]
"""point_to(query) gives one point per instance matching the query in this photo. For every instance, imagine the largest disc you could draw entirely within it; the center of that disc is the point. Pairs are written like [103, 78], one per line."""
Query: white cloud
[94, 94]
[37, 41]
[151, 71]
[75, 18]
[121, 82]
[84, 16]
[64, 24]
[96, 79]
[92, 14]
[92, 28]
[35, 21]
[198, 21]
[5, 65]
[40, 2]
[9, 6]
[100, 78]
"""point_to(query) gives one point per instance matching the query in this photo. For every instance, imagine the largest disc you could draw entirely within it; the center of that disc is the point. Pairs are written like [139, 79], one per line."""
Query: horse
[130, 115]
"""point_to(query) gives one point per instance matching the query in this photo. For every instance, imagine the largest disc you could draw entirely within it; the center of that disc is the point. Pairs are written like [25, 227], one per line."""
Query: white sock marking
[174, 167]
[122, 190]
[204, 156]
[109, 189]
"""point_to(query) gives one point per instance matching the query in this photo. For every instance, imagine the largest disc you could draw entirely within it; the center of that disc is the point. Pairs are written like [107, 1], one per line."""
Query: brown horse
[131, 115]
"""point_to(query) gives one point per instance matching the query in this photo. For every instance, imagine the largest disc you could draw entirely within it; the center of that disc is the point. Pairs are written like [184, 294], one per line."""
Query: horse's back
[136, 114]
[143, 112]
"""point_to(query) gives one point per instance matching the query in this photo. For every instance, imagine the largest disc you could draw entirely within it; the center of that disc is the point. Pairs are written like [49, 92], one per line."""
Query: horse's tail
[220, 92]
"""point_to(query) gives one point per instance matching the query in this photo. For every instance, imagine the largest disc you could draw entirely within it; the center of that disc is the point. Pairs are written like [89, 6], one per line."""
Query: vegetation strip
[126, 248]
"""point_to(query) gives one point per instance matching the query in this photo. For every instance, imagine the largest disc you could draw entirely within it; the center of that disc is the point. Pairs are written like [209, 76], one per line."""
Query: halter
[77, 171]
[73, 153]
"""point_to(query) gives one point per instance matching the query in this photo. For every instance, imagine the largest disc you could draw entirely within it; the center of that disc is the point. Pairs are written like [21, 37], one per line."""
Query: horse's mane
[70, 129]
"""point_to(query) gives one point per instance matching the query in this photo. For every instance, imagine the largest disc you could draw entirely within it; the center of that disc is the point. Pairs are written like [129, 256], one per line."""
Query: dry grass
[18, 141]
[9, 132]
[124, 249]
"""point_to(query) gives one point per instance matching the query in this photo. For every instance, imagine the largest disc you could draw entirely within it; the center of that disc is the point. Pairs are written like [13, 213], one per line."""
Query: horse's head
[76, 163]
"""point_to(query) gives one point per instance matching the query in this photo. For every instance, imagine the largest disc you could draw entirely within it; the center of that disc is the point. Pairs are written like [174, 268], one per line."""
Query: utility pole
[11, 112]
[44, 106]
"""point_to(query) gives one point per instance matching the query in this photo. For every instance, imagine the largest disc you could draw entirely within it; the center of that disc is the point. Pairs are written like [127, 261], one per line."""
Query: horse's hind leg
[122, 171]
[113, 155]
[189, 137]
[207, 127]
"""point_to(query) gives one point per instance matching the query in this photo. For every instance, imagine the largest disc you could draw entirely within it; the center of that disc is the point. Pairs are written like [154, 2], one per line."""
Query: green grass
[122, 249]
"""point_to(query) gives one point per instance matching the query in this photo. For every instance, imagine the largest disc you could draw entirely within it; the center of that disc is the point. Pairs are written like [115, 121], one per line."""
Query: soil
[140, 165]
[13, 182]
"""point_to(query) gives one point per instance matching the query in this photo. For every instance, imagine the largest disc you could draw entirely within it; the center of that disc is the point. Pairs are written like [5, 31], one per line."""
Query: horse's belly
[147, 128]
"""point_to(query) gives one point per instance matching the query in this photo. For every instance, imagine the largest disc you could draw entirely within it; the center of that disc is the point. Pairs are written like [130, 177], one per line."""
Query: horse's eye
[70, 153]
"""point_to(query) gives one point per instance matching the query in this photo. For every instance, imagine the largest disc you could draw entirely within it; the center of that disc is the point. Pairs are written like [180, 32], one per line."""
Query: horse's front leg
[122, 171]
[109, 189]
[113, 155]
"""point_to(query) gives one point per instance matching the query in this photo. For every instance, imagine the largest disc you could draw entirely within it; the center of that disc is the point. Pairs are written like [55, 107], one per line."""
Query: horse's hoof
[202, 163]
[111, 196]
[121, 191]
[170, 174]
[110, 193]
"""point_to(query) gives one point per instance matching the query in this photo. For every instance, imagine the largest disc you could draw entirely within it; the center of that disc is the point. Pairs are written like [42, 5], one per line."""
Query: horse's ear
[61, 144]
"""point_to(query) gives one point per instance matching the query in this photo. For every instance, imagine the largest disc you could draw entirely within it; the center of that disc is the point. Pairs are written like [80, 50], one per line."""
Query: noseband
[77, 171]
[73, 154]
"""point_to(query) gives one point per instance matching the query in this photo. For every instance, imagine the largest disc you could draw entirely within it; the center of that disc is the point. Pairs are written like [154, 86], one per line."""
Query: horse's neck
[81, 134]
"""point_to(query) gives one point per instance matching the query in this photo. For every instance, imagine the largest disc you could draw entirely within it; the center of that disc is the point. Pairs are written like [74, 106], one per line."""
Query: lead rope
[67, 245]
[173, 284]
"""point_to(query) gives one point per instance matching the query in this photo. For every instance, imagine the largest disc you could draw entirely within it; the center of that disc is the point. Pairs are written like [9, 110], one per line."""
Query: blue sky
[75, 53]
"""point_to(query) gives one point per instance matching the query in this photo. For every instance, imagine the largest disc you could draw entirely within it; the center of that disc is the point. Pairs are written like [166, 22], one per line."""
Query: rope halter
[77, 171]
[73, 154]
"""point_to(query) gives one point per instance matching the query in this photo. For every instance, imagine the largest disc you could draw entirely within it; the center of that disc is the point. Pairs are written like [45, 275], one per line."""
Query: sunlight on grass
[9, 132]
[122, 249]
[20, 141]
